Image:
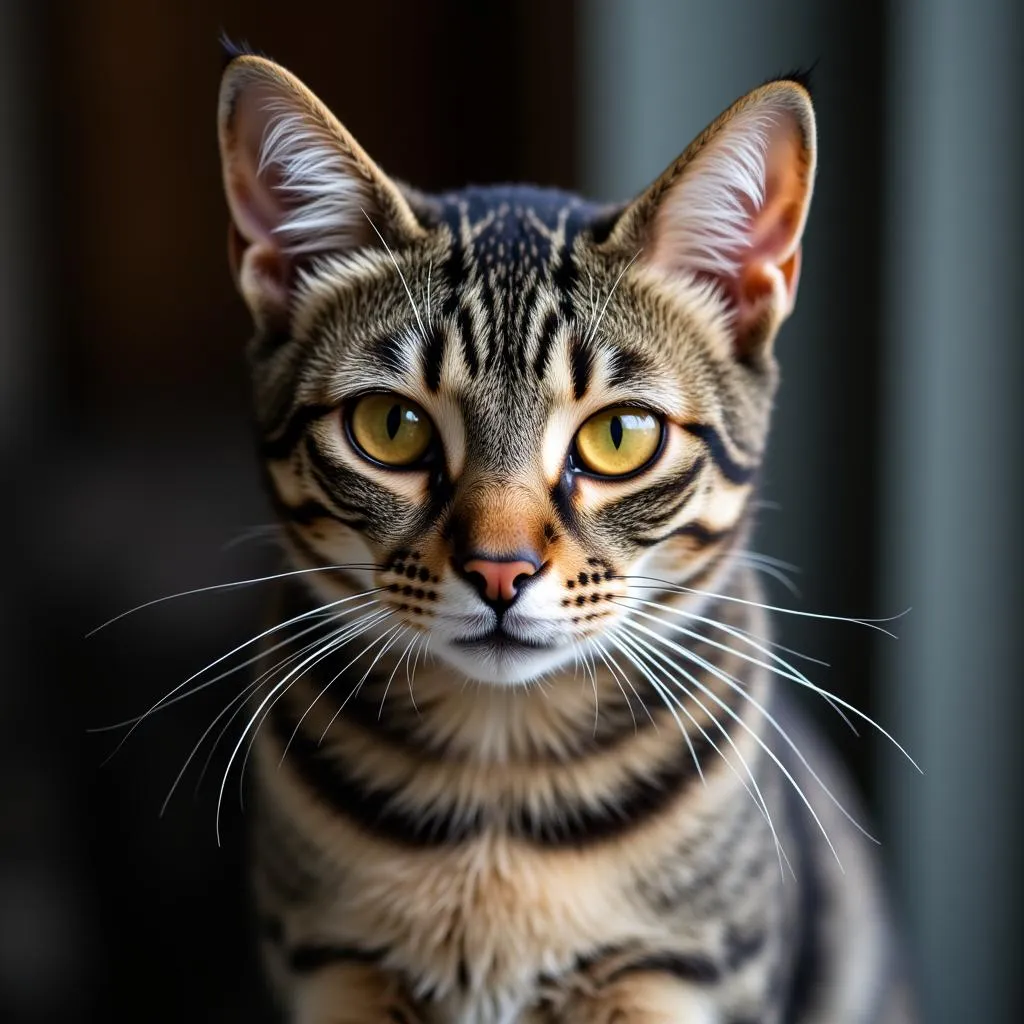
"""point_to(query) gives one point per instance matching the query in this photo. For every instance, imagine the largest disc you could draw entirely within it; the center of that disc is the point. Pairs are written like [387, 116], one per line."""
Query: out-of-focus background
[895, 478]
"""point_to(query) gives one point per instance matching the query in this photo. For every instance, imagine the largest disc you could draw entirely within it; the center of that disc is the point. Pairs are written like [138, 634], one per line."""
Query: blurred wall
[953, 501]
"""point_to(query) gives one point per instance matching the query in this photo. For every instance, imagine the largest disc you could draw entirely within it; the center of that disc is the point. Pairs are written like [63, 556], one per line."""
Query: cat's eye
[617, 442]
[390, 429]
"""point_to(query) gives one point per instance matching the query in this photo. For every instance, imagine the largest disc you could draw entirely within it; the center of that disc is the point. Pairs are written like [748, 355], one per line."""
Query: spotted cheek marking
[411, 585]
[589, 595]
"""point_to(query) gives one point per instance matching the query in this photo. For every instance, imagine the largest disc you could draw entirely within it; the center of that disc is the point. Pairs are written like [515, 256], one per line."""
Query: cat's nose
[499, 581]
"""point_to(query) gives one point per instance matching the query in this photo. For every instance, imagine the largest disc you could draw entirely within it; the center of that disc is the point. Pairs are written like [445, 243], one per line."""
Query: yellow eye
[618, 441]
[390, 429]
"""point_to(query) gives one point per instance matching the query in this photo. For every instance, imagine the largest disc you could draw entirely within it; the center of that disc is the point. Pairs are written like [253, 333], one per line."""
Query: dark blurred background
[895, 478]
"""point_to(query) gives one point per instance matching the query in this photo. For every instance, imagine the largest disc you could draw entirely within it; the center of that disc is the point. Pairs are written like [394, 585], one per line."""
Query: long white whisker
[645, 651]
[342, 638]
[680, 589]
[336, 637]
[225, 586]
[277, 688]
[398, 664]
[615, 639]
[239, 700]
[366, 675]
[745, 558]
[217, 661]
[410, 671]
[137, 719]
[401, 276]
[797, 677]
[353, 631]
[604, 308]
[617, 672]
[696, 659]
[748, 638]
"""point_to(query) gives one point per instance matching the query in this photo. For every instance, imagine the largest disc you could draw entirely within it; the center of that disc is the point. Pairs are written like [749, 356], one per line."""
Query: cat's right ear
[298, 184]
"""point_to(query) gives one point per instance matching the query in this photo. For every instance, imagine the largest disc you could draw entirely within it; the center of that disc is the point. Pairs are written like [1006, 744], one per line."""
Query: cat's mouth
[500, 641]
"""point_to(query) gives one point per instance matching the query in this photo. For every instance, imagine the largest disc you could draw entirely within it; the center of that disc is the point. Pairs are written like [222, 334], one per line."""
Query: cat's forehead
[512, 233]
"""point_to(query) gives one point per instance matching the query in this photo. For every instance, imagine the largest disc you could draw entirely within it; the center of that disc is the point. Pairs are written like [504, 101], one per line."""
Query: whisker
[241, 706]
[680, 589]
[614, 638]
[797, 677]
[226, 586]
[410, 673]
[278, 686]
[401, 276]
[746, 558]
[352, 631]
[169, 702]
[195, 675]
[366, 675]
[254, 533]
[729, 681]
[604, 308]
[645, 651]
[617, 673]
[239, 700]
[748, 638]
[398, 664]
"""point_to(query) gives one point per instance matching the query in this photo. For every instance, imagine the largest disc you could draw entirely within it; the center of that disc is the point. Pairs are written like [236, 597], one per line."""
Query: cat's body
[525, 431]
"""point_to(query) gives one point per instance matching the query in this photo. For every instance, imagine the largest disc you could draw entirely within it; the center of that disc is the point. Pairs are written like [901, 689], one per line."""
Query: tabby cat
[527, 758]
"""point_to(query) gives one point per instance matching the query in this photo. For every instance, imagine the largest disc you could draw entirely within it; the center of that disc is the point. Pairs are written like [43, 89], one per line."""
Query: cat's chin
[500, 663]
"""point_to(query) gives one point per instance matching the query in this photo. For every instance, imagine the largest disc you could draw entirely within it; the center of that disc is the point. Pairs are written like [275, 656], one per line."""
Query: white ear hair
[705, 222]
[297, 183]
[731, 211]
[323, 198]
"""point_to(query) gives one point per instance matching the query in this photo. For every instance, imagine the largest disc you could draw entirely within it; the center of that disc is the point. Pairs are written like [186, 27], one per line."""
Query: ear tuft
[802, 76]
[230, 49]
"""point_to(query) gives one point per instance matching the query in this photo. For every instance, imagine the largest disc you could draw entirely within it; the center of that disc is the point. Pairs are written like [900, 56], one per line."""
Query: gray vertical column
[955, 507]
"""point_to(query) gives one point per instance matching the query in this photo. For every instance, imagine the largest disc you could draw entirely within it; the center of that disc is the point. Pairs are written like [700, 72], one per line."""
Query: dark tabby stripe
[377, 809]
[689, 967]
[582, 360]
[544, 343]
[730, 469]
[469, 353]
[698, 532]
[283, 445]
[307, 958]
[433, 356]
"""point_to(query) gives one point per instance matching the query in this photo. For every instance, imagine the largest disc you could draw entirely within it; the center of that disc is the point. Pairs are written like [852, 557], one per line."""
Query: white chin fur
[503, 668]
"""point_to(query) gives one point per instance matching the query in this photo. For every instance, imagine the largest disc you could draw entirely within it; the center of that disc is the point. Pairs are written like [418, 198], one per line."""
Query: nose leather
[499, 577]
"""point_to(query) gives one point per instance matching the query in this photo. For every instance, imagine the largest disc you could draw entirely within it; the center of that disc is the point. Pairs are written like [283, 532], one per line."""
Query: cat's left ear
[731, 211]
[298, 184]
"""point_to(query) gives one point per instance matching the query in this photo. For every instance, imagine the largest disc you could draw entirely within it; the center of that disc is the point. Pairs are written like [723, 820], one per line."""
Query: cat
[528, 758]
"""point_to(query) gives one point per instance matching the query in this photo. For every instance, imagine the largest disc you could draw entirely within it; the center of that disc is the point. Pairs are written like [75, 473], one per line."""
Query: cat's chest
[476, 929]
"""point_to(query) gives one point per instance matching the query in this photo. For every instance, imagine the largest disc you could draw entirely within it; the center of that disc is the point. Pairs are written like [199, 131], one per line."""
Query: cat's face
[501, 408]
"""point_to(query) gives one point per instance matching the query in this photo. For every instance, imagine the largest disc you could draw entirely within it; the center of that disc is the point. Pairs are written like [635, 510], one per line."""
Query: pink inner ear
[254, 198]
[736, 215]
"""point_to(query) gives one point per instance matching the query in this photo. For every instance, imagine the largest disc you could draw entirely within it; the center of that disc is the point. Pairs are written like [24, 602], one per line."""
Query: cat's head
[504, 406]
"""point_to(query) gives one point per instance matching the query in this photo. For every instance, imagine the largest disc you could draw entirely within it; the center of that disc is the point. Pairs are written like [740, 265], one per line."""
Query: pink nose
[499, 577]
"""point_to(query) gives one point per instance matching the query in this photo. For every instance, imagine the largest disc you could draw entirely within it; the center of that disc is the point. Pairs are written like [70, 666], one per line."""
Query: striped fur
[597, 818]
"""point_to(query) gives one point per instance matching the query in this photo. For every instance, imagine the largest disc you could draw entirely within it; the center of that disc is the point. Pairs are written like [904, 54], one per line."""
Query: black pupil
[615, 429]
[394, 420]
